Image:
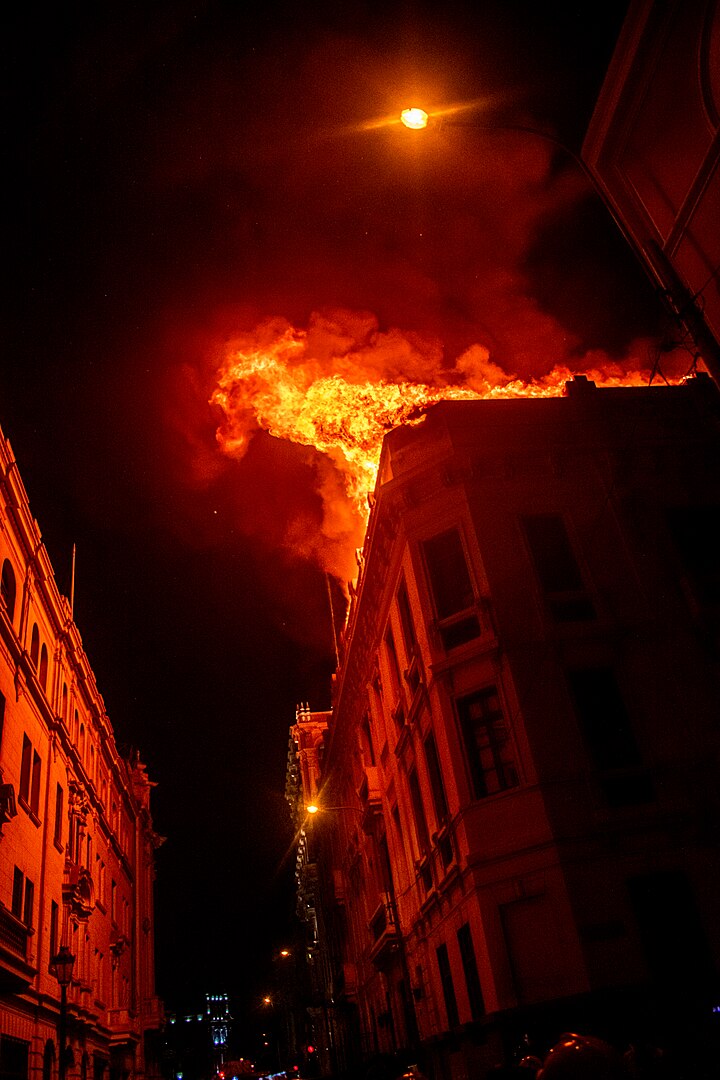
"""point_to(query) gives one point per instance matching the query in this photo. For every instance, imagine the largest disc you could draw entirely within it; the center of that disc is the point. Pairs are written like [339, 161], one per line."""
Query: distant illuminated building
[217, 1010]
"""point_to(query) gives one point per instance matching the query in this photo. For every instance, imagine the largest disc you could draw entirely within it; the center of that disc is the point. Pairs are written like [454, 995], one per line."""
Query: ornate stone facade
[77, 845]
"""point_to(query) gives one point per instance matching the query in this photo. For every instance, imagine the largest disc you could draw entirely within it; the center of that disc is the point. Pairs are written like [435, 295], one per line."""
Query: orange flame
[341, 384]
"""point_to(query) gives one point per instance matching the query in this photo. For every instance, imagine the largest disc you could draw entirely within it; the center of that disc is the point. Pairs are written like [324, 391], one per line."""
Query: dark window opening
[696, 533]
[35, 645]
[17, 893]
[8, 589]
[608, 735]
[421, 828]
[368, 740]
[407, 623]
[470, 969]
[448, 988]
[557, 568]
[487, 743]
[43, 670]
[437, 786]
[451, 588]
[393, 664]
[59, 808]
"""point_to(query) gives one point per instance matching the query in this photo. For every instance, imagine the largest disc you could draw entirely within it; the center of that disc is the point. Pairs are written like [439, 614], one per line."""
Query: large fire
[341, 384]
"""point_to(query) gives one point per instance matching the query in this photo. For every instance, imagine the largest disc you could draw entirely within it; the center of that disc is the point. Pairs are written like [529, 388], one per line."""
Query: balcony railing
[13, 933]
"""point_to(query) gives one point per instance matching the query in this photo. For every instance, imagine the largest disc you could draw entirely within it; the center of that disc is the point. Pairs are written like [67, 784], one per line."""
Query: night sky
[177, 173]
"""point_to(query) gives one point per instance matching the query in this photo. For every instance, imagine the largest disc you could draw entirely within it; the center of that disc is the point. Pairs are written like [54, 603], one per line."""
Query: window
[30, 770]
[17, 893]
[35, 645]
[43, 670]
[113, 900]
[368, 740]
[421, 828]
[35, 788]
[54, 929]
[8, 589]
[487, 743]
[2, 717]
[451, 589]
[393, 664]
[29, 902]
[23, 897]
[472, 978]
[437, 786]
[406, 619]
[59, 807]
[448, 989]
[608, 735]
[557, 568]
[14, 1058]
[696, 533]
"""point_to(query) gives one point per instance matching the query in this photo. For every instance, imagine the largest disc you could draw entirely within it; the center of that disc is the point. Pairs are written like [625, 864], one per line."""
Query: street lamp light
[61, 966]
[414, 118]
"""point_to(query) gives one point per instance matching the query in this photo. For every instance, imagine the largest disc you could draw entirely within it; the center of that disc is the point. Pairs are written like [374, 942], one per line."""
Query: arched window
[35, 645]
[8, 588]
[48, 1060]
[64, 702]
[76, 723]
[92, 762]
[43, 672]
[81, 747]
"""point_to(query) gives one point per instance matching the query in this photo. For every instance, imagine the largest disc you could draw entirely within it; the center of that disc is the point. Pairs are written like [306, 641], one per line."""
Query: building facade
[519, 781]
[653, 148]
[77, 845]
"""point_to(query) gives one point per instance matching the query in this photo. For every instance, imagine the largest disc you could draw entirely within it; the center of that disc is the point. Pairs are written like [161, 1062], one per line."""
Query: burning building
[77, 842]
[517, 785]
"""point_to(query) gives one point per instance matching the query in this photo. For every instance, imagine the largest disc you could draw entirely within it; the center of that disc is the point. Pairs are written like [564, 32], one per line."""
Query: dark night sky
[175, 173]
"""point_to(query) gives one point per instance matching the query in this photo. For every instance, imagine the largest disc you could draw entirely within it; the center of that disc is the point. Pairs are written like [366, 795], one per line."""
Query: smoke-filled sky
[188, 175]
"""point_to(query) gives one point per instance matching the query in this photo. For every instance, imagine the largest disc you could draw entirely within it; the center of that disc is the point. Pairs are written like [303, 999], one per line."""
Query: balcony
[123, 1026]
[384, 933]
[15, 971]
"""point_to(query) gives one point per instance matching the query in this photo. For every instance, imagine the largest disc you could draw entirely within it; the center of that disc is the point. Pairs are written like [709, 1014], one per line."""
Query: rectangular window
[437, 786]
[696, 533]
[35, 787]
[59, 808]
[113, 900]
[393, 665]
[451, 589]
[14, 1058]
[557, 568]
[608, 735]
[54, 929]
[25, 771]
[407, 622]
[421, 828]
[17, 893]
[487, 743]
[472, 978]
[368, 740]
[29, 902]
[448, 989]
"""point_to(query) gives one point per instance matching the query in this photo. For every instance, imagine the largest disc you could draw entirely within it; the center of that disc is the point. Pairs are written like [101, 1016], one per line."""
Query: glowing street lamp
[414, 118]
